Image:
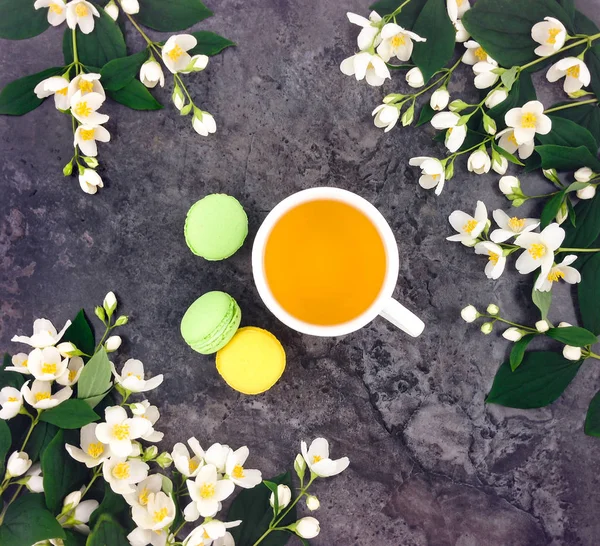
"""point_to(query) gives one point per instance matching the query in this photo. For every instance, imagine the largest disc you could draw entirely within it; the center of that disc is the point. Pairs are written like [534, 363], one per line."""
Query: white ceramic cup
[384, 304]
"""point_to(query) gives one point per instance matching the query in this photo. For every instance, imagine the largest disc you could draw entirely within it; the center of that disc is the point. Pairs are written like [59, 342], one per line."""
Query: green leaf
[70, 414]
[20, 20]
[510, 157]
[253, 508]
[551, 209]
[538, 381]
[588, 224]
[62, 474]
[95, 377]
[508, 78]
[573, 335]
[93, 401]
[136, 96]
[18, 98]
[564, 158]
[407, 17]
[518, 351]
[209, 43]
[5, 442]
[592, 419]
[589, 294]
[27, 521]
[113, 505]
[425, 115]
[592, 60]
[433, 24]
[117, 73]
[74, 539]
[503, 27]
[40, 438]
[568, 133]
[586, 115]
[171, 16]
[543, 301]
[107, 532]
[102, 45]
[80, 334]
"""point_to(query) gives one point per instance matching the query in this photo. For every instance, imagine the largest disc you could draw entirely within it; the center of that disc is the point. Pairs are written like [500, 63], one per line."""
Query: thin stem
[593, 355]
[75, 54]
[542, 196]
[13, 498]
[520, 326]
[179, 529]
[570, 105]
[33, 423]
[397, 10]
[179, 81]
[455, 154]
[588, 39]
[565, 249]
[108, 329]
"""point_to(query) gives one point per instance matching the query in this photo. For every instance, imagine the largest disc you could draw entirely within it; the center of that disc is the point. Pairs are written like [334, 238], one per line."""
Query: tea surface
[325, 262]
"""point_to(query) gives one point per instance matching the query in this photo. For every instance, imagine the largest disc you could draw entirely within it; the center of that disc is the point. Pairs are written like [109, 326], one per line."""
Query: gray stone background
[431, 464]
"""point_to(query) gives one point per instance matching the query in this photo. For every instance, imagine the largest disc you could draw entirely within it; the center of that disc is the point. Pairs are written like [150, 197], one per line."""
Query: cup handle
[402, 318]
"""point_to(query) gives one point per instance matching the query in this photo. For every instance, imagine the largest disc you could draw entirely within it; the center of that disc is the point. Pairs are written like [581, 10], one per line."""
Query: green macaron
[210, 322]
[216, 227]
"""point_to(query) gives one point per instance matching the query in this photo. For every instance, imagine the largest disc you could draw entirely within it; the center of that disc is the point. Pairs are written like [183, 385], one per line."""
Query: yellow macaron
[252, 362]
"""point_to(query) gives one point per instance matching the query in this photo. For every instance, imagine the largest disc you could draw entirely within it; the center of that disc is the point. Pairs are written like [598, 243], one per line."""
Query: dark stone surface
[431, 464]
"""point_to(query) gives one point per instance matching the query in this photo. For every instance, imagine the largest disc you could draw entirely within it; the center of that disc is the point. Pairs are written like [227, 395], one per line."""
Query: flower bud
[300, 465]
[35, 481]
[439, 99]
[91, 162]
[312, 503]
[112, 9]
[492, 309]
[18, 463]
[496, 97]
[130, 7]
[137, 408]
[392, 97]
[72, 500]
[461, 32]
[150, 453]
[408, 116]
[164, 460]
[457, 105]
[542, 326]
[122, 320]
[112, 343]
[178, 98]
[552, 175]
[197, 63]
[306, 527]
[564, 324]
[469, 313]
[512, 334]
[68, 168]
[284, 496]
[500, 164]
[509, 185]
[479, 162]
[66, 348]
[585, 174]
[414, 77]
[587, 193]
[100, 313]
[487, 327]
[572, 353]
[110, 303]
[562, 214]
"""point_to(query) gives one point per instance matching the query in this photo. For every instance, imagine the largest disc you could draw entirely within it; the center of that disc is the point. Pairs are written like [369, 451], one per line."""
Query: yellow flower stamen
[398, 40]
[481, 54]
[72, 375]
[528, 120]
[316, 459]
[81, 10]
[207, 491]
[470, 226]
[48, 368]
[56, 8]
[86, 86]
[175, 53]
[159, 515]
[555, 275]
[87, 134]
[130, 374]
[516, 224]
[435, 177]
[82, 109]
[95, 450]
[121, 471]
[513, 139]
[39, 396]
[143, 497]
[493, 257]
[573, 71]
[193, 465]
[537, 250]
[238, 472]
[552, 34]
[12, 399]
[121, 432]
[63, 91]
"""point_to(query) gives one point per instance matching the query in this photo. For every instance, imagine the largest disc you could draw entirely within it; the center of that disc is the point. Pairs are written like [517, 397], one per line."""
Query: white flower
[18, 463]
[206, 491]
[11, 402]
[234, 468]
[90, 181]
[484, 74]
[432, 173]
[457, 8]
[307, 527]
[367, 66]
[40, 396]
[508, 184]
[479, 162]
[71, 375]
[157, 514]
[312, 503]
[72, 500]
[84, 108]
[468, 227]
[527, 121]
[575, 72]
[44, 334]
[66, 348]
[203, 122]
[132, 377]
[82, 13]
[121, 474]
[455, 134]
[386, 116]
[317, 459]
[57, 10]
[499, 164]
[284, 496]
[563, 270]
[93, 452]
[462, 35]
[540, 249]
[511, 226]
[439, 99]
[414, 77]
[585, 174]
[197, 64]
[496, 259]
[82, 514]
[35, 483]
[226, 540]
[542, 326]
[86, 83]
[469, 313]
[20, 364]
[572, 353]
[112, 344]
[587, 193]
[370, 29]
[495, 97]
[130, 6]
[512, 334]
[57, 86]
[142, 491]
[209, 531]
[46, 364]
[152, 74]
[143, 537]
[188, 465]
[119, 430]
[109, 303]
[217, 455]
[397, 42]
[86, 137]
[112, 9]
[508, 142]
[151, 414]
[475, 54]
[551, 34]
[175, 52]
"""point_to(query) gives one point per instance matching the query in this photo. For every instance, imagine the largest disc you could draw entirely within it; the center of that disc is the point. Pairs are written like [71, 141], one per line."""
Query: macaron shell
[252, 362]
[216, 227]
[222, 334]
